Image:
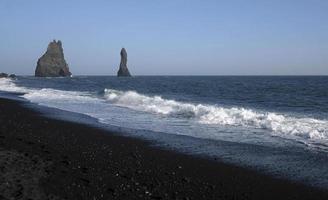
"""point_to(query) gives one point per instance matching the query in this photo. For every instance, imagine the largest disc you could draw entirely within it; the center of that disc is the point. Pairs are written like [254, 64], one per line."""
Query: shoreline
[67, 160]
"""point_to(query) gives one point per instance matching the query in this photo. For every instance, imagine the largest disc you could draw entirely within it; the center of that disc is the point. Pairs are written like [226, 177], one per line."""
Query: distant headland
[5, 75]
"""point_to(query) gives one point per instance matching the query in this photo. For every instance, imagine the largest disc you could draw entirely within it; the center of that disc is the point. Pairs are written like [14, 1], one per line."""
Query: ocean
[274, 124]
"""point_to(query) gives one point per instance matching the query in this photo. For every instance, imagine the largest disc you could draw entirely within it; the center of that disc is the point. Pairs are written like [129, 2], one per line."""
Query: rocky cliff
[123, 71]
[52, 63]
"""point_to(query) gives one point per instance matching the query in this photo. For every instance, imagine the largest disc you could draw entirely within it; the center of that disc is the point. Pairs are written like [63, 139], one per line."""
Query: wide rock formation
[5, 75]
[52, 63]
[123, 71]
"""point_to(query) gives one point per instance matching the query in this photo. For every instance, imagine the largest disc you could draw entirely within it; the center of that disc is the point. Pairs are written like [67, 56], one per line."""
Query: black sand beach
[42, 158]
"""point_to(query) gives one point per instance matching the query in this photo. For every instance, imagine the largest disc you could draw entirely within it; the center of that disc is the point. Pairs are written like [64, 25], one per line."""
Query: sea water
[278, 125]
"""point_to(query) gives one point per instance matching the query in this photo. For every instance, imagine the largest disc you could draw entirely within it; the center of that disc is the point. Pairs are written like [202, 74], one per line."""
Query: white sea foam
[7, 85]
[308, 128]
[47, 94]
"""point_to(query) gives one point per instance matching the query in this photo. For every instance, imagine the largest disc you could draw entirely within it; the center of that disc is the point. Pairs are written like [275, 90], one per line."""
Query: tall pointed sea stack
[123, 71]
[52, 63]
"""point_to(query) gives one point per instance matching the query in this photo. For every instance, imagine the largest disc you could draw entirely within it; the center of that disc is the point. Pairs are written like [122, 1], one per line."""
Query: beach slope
[42, 158]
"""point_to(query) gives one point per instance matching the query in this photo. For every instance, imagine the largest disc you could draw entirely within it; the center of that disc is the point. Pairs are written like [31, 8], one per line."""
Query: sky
[169, 37]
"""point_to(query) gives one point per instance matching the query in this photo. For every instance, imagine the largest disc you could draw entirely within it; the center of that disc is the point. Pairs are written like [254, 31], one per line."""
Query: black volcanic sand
[42, 158]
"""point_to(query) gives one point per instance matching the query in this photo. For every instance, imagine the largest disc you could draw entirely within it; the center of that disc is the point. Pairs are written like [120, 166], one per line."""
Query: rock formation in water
[123, 71]
[52, 63]
[12, 76]
[5, 75]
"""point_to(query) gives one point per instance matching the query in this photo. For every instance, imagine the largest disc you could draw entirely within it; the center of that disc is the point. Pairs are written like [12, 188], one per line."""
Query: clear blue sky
[162, 37]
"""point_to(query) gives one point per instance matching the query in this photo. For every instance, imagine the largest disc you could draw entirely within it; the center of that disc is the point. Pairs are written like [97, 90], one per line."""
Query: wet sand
[42, 158]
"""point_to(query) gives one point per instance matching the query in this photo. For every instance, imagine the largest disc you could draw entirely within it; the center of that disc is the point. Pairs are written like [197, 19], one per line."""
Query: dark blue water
[275, 124]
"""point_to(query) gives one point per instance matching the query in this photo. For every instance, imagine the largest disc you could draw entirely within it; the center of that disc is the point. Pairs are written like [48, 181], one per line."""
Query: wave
[212, 115]
[44, 94]
[7, 85]
[279, 124]
[48, 94]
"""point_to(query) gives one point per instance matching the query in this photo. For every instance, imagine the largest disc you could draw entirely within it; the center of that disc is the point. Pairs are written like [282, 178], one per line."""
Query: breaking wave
[285, 125]
[308, 128]
[44, 94]
[47, 94]
[7, 85]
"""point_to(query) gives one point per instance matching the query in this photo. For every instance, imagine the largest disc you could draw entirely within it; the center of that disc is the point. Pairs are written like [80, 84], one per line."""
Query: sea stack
[52, 63]
[123, 71]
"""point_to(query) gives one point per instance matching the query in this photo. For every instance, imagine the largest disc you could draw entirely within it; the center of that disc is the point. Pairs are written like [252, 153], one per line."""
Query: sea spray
[216, 115]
